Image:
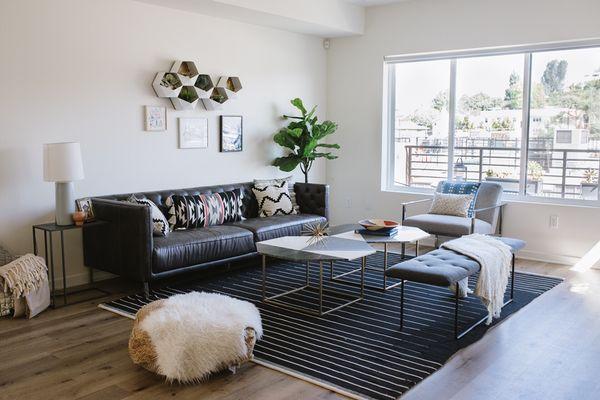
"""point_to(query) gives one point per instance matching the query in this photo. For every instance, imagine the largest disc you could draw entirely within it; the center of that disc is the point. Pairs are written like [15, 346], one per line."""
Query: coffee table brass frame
[275, 299]
[384, 286]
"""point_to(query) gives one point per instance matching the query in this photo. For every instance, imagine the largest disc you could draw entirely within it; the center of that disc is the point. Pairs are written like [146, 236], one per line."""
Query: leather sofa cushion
[278, 225]
[196, 246]
[450, 225]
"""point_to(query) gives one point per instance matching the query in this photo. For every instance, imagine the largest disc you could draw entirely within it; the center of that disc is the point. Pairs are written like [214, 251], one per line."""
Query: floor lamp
[63, 165]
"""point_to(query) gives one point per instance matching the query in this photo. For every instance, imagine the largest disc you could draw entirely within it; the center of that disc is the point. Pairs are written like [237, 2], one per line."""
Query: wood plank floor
[548, 350]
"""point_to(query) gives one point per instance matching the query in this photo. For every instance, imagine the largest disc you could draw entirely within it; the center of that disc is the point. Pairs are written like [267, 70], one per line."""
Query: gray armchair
[487, 216]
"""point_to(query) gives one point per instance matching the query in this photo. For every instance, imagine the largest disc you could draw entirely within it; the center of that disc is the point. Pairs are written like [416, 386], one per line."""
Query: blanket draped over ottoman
[189, 336]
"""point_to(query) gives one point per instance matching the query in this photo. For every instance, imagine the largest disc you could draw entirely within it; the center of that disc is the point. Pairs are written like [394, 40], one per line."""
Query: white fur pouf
[189, 336]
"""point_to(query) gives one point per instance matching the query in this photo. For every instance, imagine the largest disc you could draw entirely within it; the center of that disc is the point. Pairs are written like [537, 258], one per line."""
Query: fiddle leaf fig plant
[303, 138]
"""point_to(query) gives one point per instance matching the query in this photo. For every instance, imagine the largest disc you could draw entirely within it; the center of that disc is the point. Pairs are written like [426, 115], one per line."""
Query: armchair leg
[436, 242]
[456, 300]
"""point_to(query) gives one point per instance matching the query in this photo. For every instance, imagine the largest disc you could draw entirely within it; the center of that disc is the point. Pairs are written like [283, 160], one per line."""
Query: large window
[528, 119]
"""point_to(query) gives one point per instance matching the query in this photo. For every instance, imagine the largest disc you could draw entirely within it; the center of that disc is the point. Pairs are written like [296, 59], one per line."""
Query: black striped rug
[358, 350]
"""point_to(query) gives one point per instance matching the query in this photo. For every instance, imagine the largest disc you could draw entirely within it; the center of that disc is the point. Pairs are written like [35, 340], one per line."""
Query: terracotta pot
[79, 217]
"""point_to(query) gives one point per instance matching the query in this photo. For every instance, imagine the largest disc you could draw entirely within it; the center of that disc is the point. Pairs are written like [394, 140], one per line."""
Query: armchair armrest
[410, 203]
[474, 217]
[313, 198]
[123, 244]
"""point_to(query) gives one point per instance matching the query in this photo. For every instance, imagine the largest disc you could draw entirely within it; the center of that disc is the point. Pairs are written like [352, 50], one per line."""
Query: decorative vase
[79, 218]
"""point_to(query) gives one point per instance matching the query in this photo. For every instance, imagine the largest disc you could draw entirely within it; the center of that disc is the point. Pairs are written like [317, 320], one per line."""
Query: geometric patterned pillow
[471, 188]
[261, 183]
[451, 204]
[199, 211]
[274, 200]
[160, 225]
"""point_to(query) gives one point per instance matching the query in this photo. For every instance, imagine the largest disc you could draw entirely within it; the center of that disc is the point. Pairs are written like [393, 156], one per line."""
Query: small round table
[405, 234]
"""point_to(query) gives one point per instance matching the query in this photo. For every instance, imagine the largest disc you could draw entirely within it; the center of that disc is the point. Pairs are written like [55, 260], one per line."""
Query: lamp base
[65, 203]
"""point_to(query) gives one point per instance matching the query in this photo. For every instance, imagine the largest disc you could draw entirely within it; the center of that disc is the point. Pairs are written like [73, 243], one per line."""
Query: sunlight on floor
[591, 258]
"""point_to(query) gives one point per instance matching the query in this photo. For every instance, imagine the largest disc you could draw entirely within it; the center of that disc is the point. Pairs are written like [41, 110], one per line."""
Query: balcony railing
[558, 173]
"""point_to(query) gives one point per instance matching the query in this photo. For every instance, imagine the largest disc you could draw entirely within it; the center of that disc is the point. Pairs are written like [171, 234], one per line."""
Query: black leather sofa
[123, 244]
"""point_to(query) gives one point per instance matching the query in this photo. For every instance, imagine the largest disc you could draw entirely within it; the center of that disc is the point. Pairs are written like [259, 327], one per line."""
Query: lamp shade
[62, 162]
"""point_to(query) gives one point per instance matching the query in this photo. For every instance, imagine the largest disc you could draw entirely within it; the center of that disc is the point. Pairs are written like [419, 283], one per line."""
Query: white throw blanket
[494, 257]
[26, 279]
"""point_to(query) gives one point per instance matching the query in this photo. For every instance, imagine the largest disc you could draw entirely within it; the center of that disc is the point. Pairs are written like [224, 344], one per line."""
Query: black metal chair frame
[458, 335]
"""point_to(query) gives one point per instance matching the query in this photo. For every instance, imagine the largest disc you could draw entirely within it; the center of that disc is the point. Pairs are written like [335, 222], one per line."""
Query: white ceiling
[370, 3]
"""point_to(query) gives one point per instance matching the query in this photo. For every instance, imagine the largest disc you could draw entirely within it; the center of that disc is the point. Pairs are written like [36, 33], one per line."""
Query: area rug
[357, 351]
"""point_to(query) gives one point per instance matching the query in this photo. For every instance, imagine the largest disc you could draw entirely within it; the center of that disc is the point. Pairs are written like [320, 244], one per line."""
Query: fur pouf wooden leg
[187, 337]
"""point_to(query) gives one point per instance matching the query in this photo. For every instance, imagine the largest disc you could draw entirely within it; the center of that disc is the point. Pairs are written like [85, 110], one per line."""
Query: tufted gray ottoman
[443, 267]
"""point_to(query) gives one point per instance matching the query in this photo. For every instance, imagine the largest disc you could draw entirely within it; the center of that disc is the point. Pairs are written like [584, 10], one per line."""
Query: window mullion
[451, 118]
[391, 123]
[525, 124]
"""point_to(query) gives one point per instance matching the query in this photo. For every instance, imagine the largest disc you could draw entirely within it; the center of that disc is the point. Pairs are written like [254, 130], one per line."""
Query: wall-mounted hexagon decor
[167, 84]
[218, 96]
[184, 85]
[231, 84]
[186, 70]
[187, 99]
[204, 86]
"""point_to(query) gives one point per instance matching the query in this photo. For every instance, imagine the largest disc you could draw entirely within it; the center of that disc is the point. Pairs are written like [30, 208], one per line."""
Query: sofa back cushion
[249, 204]
[197, 211]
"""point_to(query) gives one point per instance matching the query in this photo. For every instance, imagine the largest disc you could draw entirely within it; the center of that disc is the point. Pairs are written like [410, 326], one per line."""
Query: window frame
[389, 120]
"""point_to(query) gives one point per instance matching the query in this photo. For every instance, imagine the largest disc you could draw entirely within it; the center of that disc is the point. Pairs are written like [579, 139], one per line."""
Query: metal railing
[558, 173]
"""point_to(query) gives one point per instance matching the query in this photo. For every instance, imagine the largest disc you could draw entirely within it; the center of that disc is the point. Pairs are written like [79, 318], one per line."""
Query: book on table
[381, 232]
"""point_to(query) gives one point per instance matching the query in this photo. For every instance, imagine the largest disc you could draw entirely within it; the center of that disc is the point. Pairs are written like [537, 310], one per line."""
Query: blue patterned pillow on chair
[450, 187]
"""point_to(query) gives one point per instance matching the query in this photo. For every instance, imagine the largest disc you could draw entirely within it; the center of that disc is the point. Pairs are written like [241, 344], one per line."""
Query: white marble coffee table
[301, 249]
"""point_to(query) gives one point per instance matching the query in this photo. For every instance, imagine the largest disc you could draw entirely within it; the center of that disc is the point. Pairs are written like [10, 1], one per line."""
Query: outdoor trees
[513, 95]
[554, 76]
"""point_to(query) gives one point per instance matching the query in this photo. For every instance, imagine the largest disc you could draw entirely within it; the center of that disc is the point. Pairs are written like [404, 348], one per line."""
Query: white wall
[82, 70]
[355, 67]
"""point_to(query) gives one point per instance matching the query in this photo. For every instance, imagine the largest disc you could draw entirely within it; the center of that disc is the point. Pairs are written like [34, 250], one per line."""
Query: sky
[418, 82]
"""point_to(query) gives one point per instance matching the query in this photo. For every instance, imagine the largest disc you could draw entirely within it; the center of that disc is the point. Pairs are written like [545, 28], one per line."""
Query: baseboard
[549, 258]
[82, 278]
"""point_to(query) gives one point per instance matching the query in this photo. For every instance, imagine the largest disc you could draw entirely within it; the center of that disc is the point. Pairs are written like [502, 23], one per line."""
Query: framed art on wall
[156, 118]
[193, 133]
[231, 133]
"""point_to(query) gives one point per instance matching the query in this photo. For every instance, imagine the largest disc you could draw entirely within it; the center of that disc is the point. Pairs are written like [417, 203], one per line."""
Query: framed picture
[85, 205]
[193, 133]
[231, 133]
[156, 118]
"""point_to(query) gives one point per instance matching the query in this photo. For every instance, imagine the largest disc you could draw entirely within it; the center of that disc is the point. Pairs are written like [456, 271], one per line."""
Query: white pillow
[261, 183]
[160, 225]
[273, 200]
[451, 204]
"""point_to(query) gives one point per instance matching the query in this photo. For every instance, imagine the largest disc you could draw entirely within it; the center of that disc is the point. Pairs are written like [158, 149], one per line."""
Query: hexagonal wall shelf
[218, 96]
[186, 71]
[167, 84]
[204, 86]
[231, 84]
[187, 99]
[185, 86]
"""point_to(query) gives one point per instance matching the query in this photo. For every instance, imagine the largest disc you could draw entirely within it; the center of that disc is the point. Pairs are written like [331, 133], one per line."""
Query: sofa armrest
[122, 244]
[313, 198]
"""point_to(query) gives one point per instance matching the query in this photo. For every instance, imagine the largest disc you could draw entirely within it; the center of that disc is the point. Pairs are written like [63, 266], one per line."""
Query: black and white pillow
[273, 200]
[160, 226]
[202, 210]
[260, 183]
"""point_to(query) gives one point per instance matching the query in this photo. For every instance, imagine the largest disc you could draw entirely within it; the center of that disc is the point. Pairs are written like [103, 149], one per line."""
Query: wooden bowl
[375, 224]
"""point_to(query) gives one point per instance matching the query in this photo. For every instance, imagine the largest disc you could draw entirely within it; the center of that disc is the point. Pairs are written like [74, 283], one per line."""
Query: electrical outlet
[554, 222]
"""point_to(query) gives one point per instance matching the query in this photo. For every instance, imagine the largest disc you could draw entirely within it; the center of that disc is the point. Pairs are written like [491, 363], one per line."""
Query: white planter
[231, 84]
[187, 99]
[167, 84]
[204, 86]
[186, 71]
[218, 96]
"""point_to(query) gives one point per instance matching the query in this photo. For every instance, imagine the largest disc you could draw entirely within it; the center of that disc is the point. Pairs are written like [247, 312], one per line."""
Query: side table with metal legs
[48, 230]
